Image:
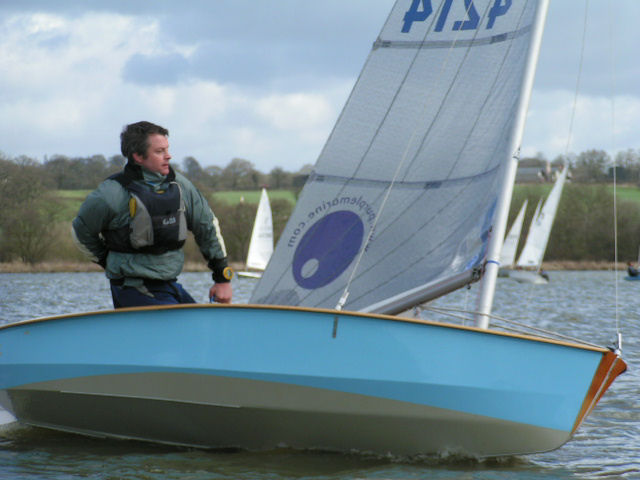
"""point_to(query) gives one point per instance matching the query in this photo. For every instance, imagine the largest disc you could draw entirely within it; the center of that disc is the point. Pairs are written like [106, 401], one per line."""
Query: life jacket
[157, 221]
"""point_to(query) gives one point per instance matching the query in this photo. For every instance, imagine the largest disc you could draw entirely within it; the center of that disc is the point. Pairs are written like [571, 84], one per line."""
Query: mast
[492, 265]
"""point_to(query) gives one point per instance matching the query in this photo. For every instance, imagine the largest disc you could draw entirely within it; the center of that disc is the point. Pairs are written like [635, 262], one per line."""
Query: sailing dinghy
[529, 264]
[261, 243]
[408, 201]
[510, 245]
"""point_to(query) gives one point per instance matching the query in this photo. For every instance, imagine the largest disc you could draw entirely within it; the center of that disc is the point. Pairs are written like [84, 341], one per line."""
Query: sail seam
[420, 185]
[435, 44]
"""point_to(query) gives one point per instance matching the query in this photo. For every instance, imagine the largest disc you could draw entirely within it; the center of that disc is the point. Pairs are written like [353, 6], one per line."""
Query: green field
[252, 196]
[71, 199]
[73, 194]
[232, 197]
[628, 193]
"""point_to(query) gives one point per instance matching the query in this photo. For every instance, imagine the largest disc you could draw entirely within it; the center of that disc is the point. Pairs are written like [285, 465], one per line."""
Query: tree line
[594, 166]
[82, 173]
[34, 225]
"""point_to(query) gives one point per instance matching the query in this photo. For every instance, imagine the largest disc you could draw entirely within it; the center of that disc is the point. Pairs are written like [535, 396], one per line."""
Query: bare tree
[28, 214]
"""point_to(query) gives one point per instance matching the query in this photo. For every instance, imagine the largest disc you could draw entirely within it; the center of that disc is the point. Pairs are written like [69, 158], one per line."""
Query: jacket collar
[134, 172]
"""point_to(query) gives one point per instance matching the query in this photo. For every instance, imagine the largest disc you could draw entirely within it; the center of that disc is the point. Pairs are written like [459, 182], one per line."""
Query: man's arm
[86, 227]
[206, 232]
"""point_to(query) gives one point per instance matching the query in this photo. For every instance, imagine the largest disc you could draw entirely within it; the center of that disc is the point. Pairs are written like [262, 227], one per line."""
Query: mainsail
[400, 204]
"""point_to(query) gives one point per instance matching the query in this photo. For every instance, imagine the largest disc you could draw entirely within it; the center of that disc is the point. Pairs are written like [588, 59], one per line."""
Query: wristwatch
[227, 273]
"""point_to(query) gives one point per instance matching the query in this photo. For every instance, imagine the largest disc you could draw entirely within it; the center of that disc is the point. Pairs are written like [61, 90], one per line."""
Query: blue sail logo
[420, 10]
[327, 249]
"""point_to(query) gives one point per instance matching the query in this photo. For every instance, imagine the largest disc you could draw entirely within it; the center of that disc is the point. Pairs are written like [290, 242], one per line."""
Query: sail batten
[404, 191]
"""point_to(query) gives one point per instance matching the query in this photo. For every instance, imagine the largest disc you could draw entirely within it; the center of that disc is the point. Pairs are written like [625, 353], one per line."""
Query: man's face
[157, 157]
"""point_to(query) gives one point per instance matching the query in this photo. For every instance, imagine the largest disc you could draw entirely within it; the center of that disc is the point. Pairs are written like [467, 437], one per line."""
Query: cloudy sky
[265, 80]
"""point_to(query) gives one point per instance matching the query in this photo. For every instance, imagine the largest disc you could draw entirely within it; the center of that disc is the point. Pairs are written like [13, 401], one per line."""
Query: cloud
[608, 34]
[73, 81]
[286, 130]
[264, 80]
[230, 62]
[599, 122]
[297, 111]
[159, 69]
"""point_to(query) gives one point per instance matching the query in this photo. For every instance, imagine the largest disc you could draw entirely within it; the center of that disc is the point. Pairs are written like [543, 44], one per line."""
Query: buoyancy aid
[157, 221]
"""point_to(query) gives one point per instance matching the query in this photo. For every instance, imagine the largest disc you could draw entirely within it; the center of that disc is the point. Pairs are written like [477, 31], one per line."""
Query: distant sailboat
[510, 246]
[261, 243]
[529, 264]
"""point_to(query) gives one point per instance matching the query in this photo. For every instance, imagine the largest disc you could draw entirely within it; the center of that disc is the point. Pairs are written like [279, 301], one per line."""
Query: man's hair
[135, 138]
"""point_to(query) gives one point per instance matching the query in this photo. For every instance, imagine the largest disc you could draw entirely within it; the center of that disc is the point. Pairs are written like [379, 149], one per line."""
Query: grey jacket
[107, 208]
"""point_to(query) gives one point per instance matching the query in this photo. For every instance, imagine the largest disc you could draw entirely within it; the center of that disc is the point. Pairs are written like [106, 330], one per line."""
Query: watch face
[227, 273]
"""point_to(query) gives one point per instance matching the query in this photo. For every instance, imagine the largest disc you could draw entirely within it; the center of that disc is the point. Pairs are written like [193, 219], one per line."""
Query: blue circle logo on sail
[327, 249]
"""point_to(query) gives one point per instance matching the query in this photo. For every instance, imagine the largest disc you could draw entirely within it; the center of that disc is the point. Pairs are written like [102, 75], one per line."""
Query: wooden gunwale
[521, 336]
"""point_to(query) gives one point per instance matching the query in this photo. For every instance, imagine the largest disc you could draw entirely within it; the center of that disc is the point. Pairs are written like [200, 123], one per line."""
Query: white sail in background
[531, 231]
[402, 198]
[510, 246]
[540, 229]
[261, 243]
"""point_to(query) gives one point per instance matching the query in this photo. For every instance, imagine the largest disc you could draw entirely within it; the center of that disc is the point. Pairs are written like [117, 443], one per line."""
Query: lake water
[579, 304]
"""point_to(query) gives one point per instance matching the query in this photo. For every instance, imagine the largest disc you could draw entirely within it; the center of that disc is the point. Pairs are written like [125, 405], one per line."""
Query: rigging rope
[523, 328]
[568, 145]
[615, 178]
[613, 115]
[578, 79]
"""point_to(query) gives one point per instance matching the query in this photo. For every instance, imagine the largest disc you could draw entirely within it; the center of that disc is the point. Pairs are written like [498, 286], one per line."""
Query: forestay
[400, 204]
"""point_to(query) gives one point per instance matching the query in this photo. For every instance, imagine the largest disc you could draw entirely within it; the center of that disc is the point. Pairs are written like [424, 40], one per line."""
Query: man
[135, 223]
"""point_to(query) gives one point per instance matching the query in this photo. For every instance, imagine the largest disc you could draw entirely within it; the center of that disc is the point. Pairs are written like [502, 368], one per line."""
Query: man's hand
[221, 292]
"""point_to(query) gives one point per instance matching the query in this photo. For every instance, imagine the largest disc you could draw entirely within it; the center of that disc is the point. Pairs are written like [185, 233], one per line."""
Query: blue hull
[262, 377]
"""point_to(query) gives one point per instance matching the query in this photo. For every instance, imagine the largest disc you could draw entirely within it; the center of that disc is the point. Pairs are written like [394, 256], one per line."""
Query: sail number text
[420, 10]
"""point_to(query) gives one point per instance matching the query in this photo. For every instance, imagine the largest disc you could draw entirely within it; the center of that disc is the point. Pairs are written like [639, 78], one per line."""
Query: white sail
[402, 198]
[261, 242]
[540, 229]
[510, 246]
[531, 231]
